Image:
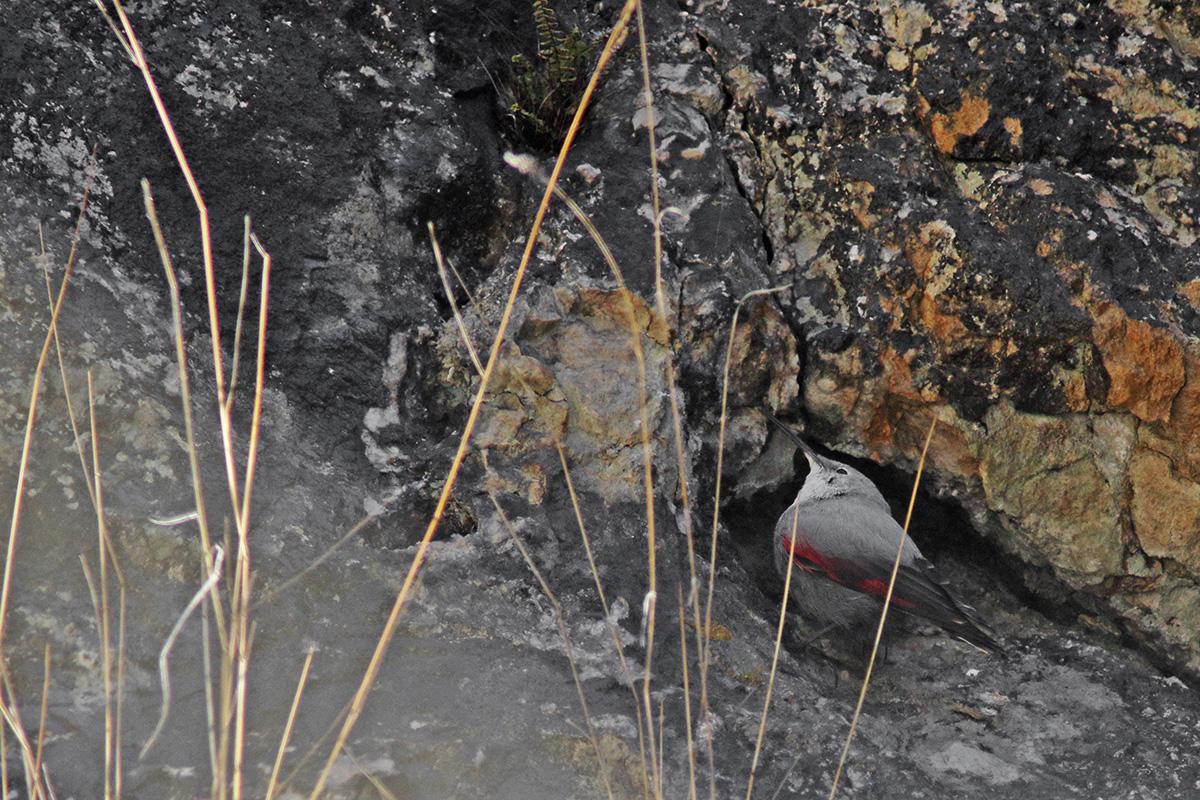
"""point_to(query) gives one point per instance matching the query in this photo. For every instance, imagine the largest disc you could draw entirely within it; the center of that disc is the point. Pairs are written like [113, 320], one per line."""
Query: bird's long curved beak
[809, 453]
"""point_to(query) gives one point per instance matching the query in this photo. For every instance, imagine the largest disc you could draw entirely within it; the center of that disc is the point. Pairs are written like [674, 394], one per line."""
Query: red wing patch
[804, 557]
[839, 570]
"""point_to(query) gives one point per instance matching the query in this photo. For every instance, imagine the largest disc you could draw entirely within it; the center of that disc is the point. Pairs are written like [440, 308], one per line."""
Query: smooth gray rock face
[984, 212]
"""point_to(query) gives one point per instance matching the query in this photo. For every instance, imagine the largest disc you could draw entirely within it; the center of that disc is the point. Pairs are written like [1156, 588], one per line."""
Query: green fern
[540, 97]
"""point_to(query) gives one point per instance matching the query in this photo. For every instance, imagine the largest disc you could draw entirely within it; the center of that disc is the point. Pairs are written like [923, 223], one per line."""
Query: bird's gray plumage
[842, 539]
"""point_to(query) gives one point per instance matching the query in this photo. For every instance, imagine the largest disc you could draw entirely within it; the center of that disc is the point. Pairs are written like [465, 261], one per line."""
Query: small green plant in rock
[540, 95]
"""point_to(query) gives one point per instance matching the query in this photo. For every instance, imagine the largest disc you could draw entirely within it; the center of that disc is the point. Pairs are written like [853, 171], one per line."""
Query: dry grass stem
[260, 376]
[185, 392]
[106, 551]
[214, 574]
[458, 318]
[605, 772]
[235, 361]
[4, 760]
[705, 650]
[22, 468]
[527, 166]
[687, 698]
[372, 778]
[887, 602]
[626, 672]
[291, 720]
[762, 723]
[41, 730]
[270, 595]
[12, 717]
[368, 679]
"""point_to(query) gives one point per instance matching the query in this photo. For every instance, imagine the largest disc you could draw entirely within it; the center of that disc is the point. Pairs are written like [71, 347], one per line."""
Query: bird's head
[828, 478]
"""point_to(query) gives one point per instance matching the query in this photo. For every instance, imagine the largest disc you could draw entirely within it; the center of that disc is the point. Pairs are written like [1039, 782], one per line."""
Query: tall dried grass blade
[41, 731]
[185, 395]
[22, 467]
[687, 698]
[887, 602]
[705, 653]
[605, 770]
[368, 680]
[529, 167]
[626, 672]
[458, 317]
[223, 414]
[234, 362]
[762, 723]
[291, 721]
[12, 717]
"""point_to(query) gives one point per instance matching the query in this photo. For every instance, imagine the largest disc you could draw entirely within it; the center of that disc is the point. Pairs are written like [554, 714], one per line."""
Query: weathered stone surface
[984, 216]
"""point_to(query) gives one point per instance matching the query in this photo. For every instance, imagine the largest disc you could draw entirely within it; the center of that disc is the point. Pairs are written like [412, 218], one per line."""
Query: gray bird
[842, 539]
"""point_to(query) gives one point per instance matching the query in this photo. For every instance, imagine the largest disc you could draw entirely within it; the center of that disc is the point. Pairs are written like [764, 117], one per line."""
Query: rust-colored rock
[1144, 364]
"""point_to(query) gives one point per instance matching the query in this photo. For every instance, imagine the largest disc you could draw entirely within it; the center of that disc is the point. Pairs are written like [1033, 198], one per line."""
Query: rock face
[988, 218]
[979, 216]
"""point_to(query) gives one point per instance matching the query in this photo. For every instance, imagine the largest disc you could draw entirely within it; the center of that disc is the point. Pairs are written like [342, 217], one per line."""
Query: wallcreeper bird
[842, 539]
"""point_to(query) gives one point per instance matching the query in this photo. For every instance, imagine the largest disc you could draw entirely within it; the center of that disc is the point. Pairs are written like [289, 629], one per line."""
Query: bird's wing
[858, 550]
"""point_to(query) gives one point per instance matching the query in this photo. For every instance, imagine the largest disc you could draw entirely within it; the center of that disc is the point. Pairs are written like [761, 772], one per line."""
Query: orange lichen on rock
[947, 129]
[937, 261]
[1179, 440]
[1191, 292]
[897, 413]
[860, 205]
[1015, 130]
[1144, 363]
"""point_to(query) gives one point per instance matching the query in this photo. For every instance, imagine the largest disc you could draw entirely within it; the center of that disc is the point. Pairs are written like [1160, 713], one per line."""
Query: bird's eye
[842, 471]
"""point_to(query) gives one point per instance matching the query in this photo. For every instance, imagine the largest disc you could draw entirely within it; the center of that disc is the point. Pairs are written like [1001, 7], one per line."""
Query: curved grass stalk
[214, 574]
[291, 720]
[705, 648]
[35, 391]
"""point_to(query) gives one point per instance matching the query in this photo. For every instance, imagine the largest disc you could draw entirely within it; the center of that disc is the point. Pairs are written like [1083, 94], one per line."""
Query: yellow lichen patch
[947, 129]
[1073, 386]
[1142, 98]
[1049, 475]
[716, 632]
[905, 23]
[615, 306]
[1166, 509]
[1144, 363]
[754, 677]
[860, 193]
[523, 390]
[834, 385]
[608, 766]
[1169, 161]
[1041, 187]
[932, 253]
[765, 365]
